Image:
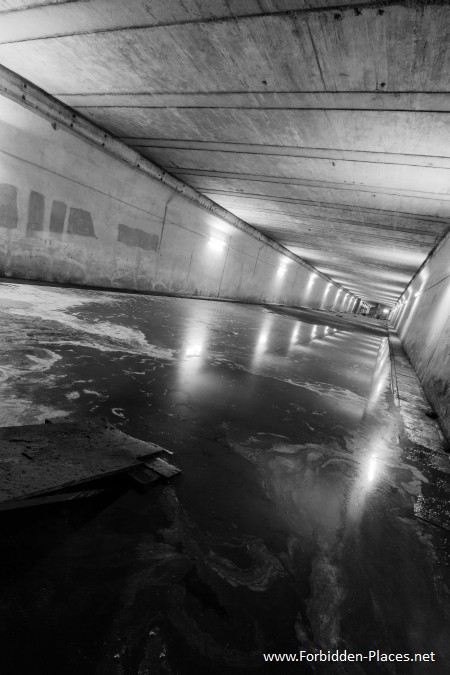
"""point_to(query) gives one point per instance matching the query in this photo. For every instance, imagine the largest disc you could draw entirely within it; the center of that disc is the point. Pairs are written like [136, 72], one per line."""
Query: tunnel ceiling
[324, 127]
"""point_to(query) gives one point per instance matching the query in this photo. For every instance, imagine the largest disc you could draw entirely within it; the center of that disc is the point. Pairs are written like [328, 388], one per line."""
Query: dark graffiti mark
[133, 236]
[57, 217]
[36, 206]
[8, 206]
[80, 222]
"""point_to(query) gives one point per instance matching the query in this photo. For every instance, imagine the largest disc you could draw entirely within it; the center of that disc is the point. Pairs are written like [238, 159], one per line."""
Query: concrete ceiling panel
[324, 126]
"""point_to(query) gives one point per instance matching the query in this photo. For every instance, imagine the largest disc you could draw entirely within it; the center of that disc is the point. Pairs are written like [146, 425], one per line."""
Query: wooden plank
[162, 467]
[40, 458]
[14, 504]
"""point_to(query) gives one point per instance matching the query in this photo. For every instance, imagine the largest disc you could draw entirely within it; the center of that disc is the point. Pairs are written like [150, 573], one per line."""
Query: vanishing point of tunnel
[224, 337]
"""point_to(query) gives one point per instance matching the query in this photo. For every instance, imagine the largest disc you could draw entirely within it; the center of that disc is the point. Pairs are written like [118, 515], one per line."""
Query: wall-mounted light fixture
[216, 244]
[312, 278]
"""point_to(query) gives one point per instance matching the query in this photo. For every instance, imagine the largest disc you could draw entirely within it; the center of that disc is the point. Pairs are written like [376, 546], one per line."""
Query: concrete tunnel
[225, 233]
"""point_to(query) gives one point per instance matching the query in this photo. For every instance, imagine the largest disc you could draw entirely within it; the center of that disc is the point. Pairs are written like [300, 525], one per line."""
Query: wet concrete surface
[292, 525]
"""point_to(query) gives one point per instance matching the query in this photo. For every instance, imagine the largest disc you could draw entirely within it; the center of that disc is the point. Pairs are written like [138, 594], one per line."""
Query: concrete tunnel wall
[70, 212]
[422, 319]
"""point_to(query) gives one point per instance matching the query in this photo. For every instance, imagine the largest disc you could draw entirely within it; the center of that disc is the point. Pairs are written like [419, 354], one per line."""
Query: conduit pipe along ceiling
[285, 113]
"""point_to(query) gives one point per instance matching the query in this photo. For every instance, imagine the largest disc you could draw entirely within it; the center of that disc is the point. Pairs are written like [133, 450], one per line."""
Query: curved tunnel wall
[422, 320]
[69, 212]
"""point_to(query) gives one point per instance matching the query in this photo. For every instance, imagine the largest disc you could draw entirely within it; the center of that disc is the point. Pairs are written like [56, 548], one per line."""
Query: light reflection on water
[296, 353]
[305, 405]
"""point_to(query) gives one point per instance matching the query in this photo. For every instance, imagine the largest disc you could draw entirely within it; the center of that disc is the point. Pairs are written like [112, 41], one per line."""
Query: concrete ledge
[419, 419]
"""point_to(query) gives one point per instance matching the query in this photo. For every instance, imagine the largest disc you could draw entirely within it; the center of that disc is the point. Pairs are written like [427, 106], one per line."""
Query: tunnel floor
[291, 526]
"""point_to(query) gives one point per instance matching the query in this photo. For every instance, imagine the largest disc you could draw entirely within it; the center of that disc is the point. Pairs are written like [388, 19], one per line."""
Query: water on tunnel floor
[291, 526]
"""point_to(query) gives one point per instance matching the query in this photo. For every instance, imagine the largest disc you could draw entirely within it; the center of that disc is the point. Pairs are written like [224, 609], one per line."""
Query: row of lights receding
[400, 303]
[219, 244]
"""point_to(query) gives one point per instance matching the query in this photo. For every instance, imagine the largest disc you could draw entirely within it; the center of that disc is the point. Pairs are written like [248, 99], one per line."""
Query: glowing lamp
[216, 244]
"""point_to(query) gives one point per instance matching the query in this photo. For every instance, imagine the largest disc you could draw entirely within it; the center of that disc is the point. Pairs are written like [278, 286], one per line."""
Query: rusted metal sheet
[36, 459]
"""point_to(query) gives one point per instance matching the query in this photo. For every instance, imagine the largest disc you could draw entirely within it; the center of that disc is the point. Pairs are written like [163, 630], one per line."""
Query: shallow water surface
[292, 525]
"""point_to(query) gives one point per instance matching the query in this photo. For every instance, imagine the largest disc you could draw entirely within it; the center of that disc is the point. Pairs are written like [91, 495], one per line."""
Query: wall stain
[80, 222]
[133, 236]
[57, 217]
[8, 206]
[36, 206]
